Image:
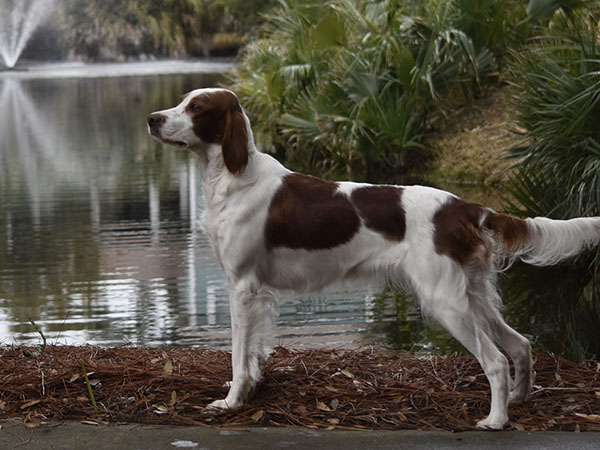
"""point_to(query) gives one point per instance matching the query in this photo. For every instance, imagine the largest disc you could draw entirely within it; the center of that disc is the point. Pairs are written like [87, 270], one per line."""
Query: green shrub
[348, 86]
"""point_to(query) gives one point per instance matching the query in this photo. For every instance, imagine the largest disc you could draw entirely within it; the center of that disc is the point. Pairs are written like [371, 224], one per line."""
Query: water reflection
[95, 229]
[99, 235]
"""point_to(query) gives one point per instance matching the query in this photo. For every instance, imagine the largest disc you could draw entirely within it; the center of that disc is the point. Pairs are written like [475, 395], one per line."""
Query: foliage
[349, 86]
[110, 29]
[545, 9]
[556, 93]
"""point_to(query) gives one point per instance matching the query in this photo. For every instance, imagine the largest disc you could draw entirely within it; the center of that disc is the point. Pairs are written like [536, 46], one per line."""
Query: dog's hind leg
[486, 302]
[252, 313]
[469, 330]
[519, 350]
[446, 296]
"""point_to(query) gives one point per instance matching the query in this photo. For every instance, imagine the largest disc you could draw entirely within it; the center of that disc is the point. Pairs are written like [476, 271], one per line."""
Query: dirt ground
[315, 389]
[471, 150]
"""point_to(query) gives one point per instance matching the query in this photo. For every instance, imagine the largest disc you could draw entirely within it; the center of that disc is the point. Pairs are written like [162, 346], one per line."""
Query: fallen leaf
[154, 360]
[168, 369]
[89, 422]
[161, 410]
[347, 373]
[173, 398]
[257, 416]
[74, 377]
[29, 403]
[334, 421]
[334, 403]
[29, 423]
[301, 409]
[471, 379]
[323, 407]
[597, 393]
[331, 388]
[590, 417]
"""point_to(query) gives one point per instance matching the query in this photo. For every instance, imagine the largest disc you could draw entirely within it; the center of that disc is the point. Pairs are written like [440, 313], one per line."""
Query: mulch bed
[360, 389]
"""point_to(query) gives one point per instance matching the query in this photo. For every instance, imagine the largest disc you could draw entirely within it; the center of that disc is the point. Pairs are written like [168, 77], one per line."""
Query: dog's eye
[194, 107]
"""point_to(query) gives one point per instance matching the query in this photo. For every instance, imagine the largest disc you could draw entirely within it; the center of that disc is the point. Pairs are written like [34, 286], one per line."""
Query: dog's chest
[236, 232]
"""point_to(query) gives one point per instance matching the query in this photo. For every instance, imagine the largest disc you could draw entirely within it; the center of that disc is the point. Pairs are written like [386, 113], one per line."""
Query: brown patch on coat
[457, 230]
[307, 213]
[381, 210]
[459, 226]
[218, 118]
[513, 231]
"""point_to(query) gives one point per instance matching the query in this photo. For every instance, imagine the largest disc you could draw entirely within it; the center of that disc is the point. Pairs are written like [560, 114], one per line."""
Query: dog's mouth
[157, 135]
[180, 144]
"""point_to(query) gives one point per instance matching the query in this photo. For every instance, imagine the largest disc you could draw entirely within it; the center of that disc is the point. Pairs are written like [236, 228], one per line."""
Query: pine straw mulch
[360, 389]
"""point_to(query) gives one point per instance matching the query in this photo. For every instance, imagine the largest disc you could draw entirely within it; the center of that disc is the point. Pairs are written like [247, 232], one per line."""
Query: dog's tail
[541, 241]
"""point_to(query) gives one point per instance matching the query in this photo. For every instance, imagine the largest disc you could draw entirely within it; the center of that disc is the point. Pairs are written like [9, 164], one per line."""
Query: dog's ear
[235, 142]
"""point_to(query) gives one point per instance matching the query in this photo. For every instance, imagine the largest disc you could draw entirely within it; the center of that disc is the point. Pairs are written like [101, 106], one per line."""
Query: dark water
[99, 235]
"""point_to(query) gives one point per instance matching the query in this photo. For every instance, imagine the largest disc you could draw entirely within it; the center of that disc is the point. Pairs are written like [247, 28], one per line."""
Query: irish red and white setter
[273, 229]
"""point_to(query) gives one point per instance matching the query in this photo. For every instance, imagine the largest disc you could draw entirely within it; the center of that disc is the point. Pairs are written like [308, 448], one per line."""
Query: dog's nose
[156, 119]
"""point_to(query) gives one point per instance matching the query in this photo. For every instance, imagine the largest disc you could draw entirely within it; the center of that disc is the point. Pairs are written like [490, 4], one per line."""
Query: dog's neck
[217, 182]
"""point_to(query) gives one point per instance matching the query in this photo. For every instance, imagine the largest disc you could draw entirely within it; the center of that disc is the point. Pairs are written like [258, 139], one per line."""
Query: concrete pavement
[77, 436]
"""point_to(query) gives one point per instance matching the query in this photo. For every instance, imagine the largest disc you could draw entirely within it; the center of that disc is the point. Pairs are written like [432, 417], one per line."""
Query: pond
[99, 236]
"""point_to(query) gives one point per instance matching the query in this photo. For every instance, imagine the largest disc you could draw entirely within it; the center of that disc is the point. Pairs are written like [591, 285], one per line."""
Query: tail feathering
[550, 241]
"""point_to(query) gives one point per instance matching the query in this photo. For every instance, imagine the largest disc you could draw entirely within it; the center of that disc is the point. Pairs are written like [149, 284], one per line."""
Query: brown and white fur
[273, 229]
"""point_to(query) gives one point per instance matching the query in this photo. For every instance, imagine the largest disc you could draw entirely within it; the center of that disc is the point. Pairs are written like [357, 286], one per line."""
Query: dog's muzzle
[155, 121]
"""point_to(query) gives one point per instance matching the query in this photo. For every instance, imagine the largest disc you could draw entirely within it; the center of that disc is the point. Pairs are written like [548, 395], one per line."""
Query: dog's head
[205, 116]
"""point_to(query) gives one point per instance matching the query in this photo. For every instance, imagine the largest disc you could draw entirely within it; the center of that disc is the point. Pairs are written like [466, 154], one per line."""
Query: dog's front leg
[247, 345]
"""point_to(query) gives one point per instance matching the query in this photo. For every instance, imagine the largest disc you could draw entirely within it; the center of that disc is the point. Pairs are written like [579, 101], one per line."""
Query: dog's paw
[490, 423]
[218, 405]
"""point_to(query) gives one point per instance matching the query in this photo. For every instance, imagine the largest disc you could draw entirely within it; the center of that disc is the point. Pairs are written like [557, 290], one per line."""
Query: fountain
[18, 21]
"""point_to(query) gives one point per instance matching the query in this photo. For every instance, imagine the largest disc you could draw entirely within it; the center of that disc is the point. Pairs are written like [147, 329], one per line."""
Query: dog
[273, 229]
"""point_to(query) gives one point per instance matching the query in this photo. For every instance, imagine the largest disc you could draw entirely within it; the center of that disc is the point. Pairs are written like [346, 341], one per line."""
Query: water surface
[99, 234]
[100, 241]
